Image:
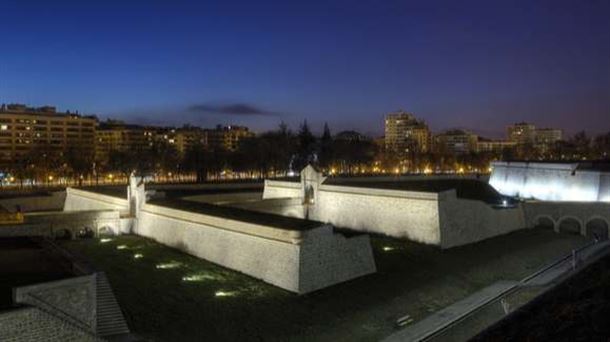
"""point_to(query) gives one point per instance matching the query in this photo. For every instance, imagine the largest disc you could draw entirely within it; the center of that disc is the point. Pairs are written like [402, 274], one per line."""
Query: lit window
[3, 127]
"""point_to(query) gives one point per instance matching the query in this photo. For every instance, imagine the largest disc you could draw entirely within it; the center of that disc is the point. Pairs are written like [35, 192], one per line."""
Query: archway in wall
[598, 228]
[105, 231]
[569, 226]
[544, 222]
[86, 233]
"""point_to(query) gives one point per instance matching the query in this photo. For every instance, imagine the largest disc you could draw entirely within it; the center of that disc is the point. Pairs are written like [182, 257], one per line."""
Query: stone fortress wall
[563, 182]
[81, 200]
[584, 218]
[401, 214]
[282, 189]
[566, 197]
[78, 200]
[464, 221]
[300, 261]
[440, 219]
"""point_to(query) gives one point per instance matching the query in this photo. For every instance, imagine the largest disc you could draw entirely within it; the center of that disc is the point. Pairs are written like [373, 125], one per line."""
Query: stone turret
[136, 195]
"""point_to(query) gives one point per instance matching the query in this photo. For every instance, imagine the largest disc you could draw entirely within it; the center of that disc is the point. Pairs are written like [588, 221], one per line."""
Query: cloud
[237, 109]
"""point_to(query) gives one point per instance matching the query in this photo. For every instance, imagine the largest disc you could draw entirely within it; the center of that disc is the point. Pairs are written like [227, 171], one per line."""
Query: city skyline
[105, 121]
[258, 65]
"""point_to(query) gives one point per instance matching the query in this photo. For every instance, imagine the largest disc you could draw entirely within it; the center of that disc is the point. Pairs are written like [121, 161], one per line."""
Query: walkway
[459, 321]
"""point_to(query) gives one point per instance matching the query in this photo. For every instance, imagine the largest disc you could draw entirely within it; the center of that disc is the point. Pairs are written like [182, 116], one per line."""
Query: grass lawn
[225, 305]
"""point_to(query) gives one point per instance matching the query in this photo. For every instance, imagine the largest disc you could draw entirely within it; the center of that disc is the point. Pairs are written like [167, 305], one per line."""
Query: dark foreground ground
[577, 310]
[25, 262]
[170, 296]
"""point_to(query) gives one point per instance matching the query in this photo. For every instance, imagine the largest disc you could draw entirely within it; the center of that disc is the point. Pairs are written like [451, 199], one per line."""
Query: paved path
[450, 314]
[454, 313]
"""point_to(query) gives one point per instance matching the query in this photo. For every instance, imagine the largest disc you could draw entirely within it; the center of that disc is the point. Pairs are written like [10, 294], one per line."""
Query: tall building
[227, 137]
[23, 129]
[404, 133]
[187, 137]
[547, 137]
[456, 142]
[522, 133]
[541, 138]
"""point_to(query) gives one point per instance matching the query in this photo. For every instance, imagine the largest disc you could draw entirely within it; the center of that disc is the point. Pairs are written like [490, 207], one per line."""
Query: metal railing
[574, 256]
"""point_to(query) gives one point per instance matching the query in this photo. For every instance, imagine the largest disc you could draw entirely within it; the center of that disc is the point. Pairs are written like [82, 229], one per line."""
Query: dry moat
[168, 295]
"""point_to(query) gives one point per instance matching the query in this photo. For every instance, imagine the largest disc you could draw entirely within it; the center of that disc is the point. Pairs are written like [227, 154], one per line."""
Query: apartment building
[227, 137]
[24, 129]
[404, 133]
[456, 141]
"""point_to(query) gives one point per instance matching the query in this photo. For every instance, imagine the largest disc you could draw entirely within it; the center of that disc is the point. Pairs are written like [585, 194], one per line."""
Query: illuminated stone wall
[78, 200]
[402, 214]
[550, 182]
[281, 189]
[298, 261]
[464, 221]
[327, 259]
[273, 260]
[284, 258]
[440, 219]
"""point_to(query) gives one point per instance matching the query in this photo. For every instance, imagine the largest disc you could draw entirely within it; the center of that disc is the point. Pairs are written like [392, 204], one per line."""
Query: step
[110, 319]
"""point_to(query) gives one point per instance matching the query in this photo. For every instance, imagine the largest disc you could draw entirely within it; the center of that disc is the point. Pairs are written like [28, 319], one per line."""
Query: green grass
[412, 279]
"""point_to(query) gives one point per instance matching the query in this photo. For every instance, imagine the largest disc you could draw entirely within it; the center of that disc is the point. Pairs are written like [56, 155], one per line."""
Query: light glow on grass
[138, 256]
[225, 293]
[121, 247]
[169, 265]
[199, 277]
[388, 248]
[105, 240]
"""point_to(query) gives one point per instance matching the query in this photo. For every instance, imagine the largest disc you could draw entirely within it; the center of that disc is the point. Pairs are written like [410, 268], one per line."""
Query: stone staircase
[110, 320]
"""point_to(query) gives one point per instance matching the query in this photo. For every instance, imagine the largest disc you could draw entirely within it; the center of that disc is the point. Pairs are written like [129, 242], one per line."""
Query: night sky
[470, 64]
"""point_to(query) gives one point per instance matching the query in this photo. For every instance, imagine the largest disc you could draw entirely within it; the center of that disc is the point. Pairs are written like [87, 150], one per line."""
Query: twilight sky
[472, 64]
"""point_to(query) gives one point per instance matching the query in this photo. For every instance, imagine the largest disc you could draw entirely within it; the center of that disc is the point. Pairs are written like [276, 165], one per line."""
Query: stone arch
[544, 221]
[569, 225]
[597, 227]
[63, 234]
[105, 231]
[86, 232]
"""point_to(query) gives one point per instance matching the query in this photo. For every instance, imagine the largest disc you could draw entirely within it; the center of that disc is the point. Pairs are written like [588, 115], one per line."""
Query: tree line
[277, 153]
